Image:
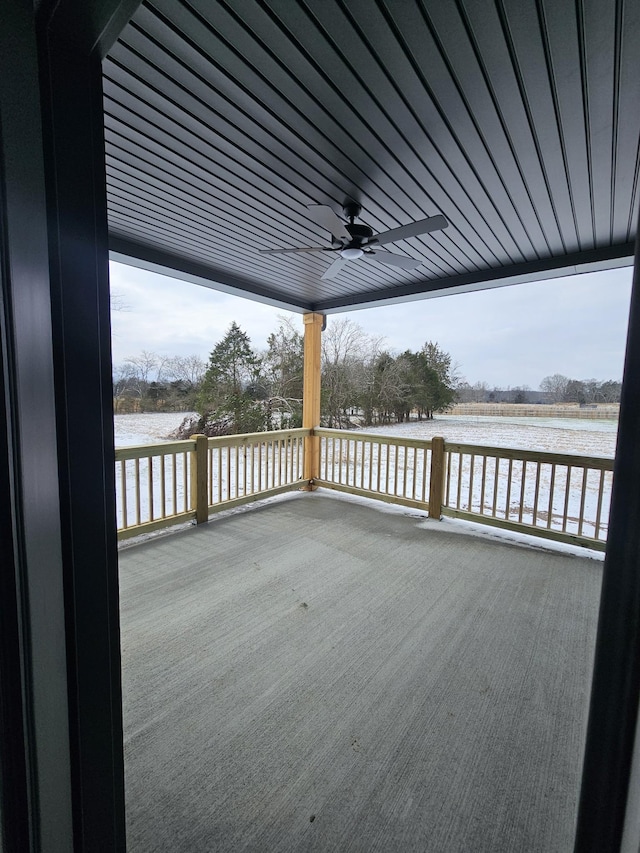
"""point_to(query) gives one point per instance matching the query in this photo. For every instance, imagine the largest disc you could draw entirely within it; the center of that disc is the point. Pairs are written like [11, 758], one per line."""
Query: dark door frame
[61, 761]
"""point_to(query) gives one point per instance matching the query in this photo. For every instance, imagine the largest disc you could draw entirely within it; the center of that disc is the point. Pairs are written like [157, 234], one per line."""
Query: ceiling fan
[354, 242]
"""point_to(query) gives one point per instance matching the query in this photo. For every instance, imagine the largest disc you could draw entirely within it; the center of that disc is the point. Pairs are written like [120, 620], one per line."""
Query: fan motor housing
[359, 232]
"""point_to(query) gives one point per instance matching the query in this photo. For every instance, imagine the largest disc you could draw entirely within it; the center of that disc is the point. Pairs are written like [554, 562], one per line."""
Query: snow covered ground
[558, 435]
[146, 429]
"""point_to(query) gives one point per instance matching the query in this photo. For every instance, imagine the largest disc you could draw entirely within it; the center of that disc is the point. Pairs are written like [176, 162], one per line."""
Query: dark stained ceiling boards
[516, 120]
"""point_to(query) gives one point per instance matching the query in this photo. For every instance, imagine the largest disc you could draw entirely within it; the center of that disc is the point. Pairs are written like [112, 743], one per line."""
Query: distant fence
[556, 496]
[600, 411]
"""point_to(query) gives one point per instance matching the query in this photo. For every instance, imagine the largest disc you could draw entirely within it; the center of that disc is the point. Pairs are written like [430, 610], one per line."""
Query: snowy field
[146, 429]
[557, 435]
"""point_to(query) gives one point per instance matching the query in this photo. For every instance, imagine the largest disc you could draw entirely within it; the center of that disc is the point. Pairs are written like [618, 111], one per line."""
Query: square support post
[313, 325]
[199, 494]
[436, 479]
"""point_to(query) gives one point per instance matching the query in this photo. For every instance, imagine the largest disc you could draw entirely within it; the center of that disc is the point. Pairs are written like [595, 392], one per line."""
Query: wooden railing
[384, 467]
[556, 496]
[163, 484]
[242, 467]
[153, 486]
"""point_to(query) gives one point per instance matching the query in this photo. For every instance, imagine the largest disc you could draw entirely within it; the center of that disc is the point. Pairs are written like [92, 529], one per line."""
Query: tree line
[149, 382]
[553, 389]
[241, 390]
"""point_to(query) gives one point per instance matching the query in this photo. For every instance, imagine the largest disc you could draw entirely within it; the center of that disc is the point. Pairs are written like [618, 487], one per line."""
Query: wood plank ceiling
[516, 119]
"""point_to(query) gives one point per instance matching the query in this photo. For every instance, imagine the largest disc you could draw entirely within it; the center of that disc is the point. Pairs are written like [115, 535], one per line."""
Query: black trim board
[35, 764]
[599, 259]
[71, 101]
[91, 26]
[606, 800]
[166, 263]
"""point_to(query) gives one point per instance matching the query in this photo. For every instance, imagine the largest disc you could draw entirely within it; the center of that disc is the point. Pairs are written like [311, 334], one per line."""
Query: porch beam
[313, 325]
[92, 25]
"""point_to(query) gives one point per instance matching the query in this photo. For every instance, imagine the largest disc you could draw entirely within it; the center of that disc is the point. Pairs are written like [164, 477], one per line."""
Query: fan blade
[394, 260]
[413, 229]
[334, 269]
[323, 215]
[301, 249]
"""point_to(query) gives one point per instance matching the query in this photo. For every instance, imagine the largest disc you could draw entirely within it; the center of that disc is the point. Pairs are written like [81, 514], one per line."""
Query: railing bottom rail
[378, 496]
[257, 496]
[528, 529]
[157, 524]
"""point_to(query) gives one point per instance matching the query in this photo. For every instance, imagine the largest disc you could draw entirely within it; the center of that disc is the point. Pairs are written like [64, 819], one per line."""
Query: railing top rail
[142, 451]
[257, 437]
[357, 435]
[602, 463]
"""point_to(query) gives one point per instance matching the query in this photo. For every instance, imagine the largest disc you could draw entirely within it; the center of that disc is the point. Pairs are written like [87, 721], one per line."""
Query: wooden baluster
[150, 486]
[536, 495]
[458, 493]
[174, 483]
[583, 496]
[163, 496]
[508, 501]
[599, 507]
[552, 485]
[472, 466]
[496, 482]
[123, 486]
[395, 468]
[522, 486]
[425, 456]
[567, 493]
[414, 479]
[137, 492]
[404, 471]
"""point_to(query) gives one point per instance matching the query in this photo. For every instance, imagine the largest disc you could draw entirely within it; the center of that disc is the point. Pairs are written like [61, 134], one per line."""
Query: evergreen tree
[232, 388]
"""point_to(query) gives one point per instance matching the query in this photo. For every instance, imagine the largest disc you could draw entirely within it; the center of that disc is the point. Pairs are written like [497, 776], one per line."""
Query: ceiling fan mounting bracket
[351, 210]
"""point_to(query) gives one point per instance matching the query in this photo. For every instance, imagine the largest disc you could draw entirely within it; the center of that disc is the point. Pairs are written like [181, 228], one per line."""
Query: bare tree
[346, 350]
[555, 387]
[189, 369]
[118, 303]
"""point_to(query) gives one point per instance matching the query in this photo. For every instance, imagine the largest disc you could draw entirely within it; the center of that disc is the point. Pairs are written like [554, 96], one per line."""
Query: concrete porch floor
[321, 674]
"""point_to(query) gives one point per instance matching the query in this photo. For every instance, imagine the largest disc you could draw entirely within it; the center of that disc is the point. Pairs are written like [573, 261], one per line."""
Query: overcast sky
[506, 337]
